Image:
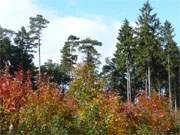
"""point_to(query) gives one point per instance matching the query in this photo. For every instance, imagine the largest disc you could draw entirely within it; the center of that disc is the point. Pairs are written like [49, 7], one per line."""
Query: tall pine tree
[69, 58]
[68, 54]
[25, 44]
[148, 47]
[87, 47]
[124, 54]
[172, 60]
[37, 24]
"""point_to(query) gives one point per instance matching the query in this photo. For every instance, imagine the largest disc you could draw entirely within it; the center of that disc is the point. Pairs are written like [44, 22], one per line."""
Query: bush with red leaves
[14, 91]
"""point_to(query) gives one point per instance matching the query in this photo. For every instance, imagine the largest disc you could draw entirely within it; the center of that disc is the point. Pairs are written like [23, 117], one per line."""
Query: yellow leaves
[85, 108]
[86, 84]
[116, 125]
[108, 112]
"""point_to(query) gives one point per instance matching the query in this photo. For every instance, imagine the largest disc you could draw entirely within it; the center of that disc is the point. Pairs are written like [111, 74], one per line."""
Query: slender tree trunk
[169, 83]
[128, 84]
[71, 66]
[127, 87]
[149, 81]
[159, 89]
[146, 84]
[39, 51]
[175, 105]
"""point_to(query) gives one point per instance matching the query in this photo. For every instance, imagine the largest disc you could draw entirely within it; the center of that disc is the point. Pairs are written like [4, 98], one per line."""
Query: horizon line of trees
[146, 56]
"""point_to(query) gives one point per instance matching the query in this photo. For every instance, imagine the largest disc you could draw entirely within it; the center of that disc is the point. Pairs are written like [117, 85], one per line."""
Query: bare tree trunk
[129, 85]
[39, 51]
[169, 83]
[127, 66]
[149, 81]
[175, 105]
[146, 84]
[159, 89]
[71, 68]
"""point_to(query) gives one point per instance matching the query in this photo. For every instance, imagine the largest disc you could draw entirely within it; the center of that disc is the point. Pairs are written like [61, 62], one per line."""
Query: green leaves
[86, 84]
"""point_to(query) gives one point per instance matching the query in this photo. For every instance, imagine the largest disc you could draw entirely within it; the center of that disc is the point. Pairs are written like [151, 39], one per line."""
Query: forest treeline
[146, 57]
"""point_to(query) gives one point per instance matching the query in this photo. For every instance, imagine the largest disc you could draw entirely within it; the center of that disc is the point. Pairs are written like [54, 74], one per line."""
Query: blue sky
[116, 10]
[97, 19]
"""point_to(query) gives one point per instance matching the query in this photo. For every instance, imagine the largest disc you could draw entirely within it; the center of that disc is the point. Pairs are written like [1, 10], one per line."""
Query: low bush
[84, 110]
[151, 115]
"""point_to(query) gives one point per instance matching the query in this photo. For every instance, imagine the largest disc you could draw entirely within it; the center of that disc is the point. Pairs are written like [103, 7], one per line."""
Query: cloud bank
[16, 13]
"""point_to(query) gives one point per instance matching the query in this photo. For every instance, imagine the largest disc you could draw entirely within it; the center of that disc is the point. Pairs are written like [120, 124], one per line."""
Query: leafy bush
[14, 91]
[84, 110]
[45, 113]
[13, 95]
[143, 129]
[151, 114]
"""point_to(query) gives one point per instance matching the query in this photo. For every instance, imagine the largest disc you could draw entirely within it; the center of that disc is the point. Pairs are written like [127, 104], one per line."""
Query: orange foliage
[152, 111]
[14, 91]
[85, 109]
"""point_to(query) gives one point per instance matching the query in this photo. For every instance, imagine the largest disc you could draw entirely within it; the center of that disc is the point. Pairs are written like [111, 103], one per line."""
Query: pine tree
[172, 57]
[68, 58]
[5, 47]
[37, 24]
[124, 54]
[25, 44]
[87, 47]
[114, 79]
[149, 47]
[68, 54]
[15, 55]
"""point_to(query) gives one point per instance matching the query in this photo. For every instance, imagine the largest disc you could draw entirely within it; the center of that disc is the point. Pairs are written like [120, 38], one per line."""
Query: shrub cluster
[84, 110]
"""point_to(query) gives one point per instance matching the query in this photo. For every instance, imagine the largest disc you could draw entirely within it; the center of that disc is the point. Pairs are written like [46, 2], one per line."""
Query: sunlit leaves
[85, 109]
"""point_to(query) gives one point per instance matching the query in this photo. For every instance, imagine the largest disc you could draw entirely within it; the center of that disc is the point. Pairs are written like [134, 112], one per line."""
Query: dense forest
[138, 89]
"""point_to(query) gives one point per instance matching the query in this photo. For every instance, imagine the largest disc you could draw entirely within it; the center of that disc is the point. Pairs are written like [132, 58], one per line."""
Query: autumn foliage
[14, 91]
[85, 109]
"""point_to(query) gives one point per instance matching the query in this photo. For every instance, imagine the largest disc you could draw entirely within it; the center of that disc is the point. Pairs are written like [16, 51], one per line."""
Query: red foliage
[13, 91]
[152, 111]
[102, 108]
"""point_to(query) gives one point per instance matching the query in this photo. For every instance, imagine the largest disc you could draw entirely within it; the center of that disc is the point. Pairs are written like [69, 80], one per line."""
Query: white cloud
[16, 13]
[60, 28]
